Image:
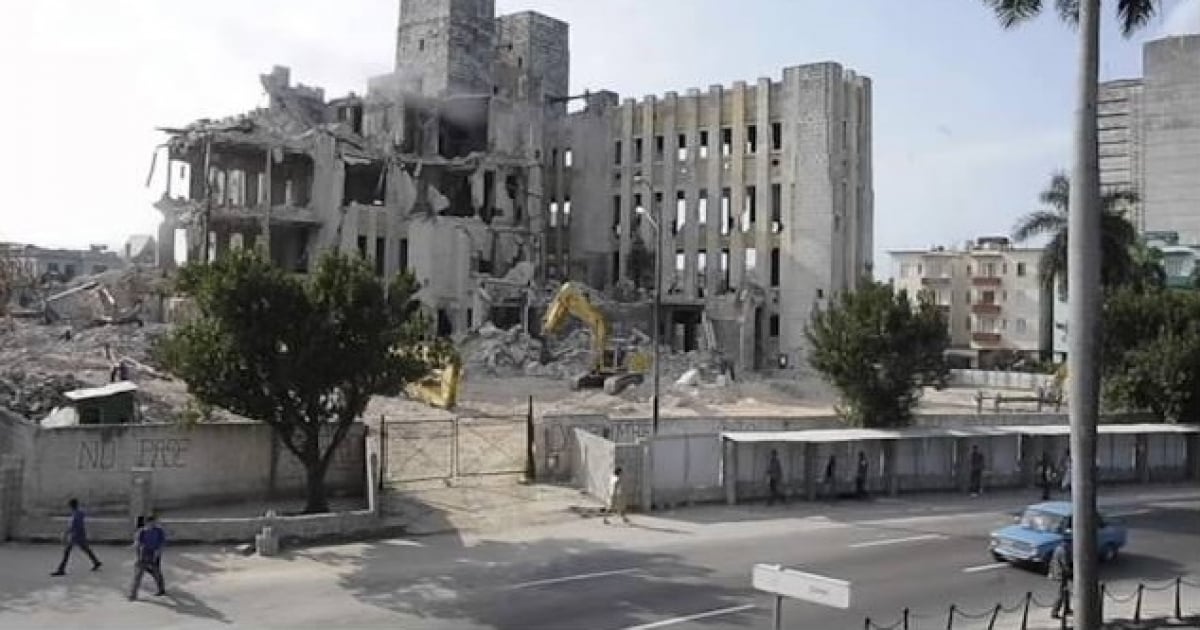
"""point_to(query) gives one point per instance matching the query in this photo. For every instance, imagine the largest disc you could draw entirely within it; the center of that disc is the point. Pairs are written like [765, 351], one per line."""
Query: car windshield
[1041, 521]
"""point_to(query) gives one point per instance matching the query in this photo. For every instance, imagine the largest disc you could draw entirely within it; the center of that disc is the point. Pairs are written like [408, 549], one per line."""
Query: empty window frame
[702, 208]
[775, 266]
[637, 150]
[616, 214]
[776, 136]
[680, 211]
[751, 139]
[660, 144]
[617, 152]
[726, 142]
[749, 209]
[726, 219]
[681, 152]
[568, 157]
[703, 145]
[776, 208]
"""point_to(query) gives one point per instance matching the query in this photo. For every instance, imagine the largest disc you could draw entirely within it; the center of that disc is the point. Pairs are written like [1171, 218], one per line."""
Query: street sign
[808, 587]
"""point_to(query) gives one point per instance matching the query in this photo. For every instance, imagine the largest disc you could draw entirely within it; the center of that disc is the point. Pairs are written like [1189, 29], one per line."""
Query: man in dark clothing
[774, 479]
[860, 476]
[1062, 571]
[1045, 473]
[976, 471]
[75, 536]
[831, 477]
[149, 544]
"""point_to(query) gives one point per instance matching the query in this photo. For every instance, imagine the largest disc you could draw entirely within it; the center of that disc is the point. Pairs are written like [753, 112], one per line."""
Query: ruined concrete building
[467, 167]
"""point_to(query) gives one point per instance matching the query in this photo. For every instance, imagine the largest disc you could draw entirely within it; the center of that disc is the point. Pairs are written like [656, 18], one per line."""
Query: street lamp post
[656, 222]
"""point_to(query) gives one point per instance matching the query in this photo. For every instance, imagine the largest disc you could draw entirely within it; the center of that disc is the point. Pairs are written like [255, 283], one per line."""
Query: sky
[969, 119]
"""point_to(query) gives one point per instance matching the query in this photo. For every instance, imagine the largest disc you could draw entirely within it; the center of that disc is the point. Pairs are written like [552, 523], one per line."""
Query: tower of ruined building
[446, 47]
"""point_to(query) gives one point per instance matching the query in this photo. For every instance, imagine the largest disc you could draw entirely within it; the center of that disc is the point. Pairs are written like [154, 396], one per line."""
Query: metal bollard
[1103, 594]
[867, 624]
[905, 619]
[950, 618]
[1025, 612]
[995, 614]
[1137, 607]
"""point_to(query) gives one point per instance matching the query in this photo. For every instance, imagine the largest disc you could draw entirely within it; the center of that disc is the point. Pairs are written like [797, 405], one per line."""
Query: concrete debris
[35, 394]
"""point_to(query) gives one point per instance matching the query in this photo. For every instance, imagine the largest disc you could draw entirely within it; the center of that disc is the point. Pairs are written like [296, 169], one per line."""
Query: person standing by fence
[1061, 571]
[860, 476]
[977, 464]
[774, 480]
[831, 477]
[75, 536]
[616, 496]
[1045, 474]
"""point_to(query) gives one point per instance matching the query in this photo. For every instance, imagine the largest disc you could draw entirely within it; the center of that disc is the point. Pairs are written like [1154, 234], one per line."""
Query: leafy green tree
[1151, 345]
[879, 349]
[1117, 234]
[302, 355]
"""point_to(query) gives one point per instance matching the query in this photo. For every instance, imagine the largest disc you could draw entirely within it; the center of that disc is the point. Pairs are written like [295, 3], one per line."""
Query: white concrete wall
[594, 461]
[687, 468]
[189, 465]
[1008, 380]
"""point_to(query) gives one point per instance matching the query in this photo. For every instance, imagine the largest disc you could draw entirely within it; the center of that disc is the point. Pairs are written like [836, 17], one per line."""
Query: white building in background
[990, 293]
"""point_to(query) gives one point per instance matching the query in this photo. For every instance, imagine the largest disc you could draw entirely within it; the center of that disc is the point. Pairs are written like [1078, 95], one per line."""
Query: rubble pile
[496, 352]
[35, 394]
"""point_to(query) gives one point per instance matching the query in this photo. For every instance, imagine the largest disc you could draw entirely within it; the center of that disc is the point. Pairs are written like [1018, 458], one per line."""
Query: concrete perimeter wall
[1004, 380]
[595, 458]
[187, 465]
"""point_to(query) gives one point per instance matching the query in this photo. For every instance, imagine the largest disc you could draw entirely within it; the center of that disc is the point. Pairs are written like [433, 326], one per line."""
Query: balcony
[986, 281]
[985, 308]
[985, 338]
[935, 280]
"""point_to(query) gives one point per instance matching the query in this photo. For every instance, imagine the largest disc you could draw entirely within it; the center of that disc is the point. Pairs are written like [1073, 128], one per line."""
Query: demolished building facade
[465, 167]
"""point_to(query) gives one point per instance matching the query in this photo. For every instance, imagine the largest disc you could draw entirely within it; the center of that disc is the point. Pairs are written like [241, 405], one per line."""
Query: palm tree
[1118, 237]
[1084, 218]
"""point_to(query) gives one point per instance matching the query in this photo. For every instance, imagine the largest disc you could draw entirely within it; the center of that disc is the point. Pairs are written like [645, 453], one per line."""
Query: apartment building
[464, 166]
[989, 292]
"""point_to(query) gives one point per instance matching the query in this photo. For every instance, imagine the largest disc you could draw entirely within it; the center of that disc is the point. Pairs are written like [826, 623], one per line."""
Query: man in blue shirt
[75, 536]
[149, 545]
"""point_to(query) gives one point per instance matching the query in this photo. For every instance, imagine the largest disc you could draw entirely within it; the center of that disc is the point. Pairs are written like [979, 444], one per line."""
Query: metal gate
[464, 446]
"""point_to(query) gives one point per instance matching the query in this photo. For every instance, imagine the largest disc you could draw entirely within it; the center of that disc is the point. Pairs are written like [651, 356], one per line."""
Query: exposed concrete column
[737, 185]
[712, 234]
[669, 168]
[688, 124]
[625, 236]
[165, 245]
[762, 183]
[810, 471]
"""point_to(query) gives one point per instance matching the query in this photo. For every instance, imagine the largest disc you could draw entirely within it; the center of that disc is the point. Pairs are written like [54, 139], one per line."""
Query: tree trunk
[314, 468]
[1083, 271]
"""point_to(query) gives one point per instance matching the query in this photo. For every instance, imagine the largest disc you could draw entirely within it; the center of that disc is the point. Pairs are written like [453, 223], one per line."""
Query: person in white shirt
[616, 496]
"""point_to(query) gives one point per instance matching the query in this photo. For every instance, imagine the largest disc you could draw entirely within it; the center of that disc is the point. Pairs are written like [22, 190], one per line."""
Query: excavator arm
[570, 300]
[439, 388]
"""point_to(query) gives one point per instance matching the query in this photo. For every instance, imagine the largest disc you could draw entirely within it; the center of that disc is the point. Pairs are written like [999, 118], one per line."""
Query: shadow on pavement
[547, 583]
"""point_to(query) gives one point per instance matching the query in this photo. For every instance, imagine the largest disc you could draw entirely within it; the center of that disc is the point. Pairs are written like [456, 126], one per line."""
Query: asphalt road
[684, 570]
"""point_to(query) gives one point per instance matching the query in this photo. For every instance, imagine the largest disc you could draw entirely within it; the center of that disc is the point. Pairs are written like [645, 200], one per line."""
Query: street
[685, 569]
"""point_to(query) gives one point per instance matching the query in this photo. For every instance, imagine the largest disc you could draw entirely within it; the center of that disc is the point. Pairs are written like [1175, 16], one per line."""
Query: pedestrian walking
[775, 480]
[76, 536]
[1062, 571]
[860, 476]
[616, 496]
[1045, 475]
[977, 464]
[831, 477]
[148, 547]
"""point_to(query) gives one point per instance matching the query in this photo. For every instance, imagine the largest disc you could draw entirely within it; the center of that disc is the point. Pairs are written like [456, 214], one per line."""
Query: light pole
[656, 223]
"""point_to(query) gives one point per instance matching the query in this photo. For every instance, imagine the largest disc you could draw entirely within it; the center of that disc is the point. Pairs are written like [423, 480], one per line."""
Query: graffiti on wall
[96, 455]
[162, 453]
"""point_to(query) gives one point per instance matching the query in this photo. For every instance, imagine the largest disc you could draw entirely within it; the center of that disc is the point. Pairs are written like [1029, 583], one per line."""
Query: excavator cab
[613, 368]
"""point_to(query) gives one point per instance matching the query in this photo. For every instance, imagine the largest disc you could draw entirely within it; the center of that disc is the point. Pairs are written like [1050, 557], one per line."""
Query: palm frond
[1038, 223]
[1053, 263]
[1058, 192]
[1118, 200]
[1013, 12]
[1134, 14]
[1068, 10]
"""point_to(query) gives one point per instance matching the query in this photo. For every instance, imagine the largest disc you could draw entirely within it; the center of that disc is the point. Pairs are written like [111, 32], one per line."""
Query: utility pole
[1083, 269]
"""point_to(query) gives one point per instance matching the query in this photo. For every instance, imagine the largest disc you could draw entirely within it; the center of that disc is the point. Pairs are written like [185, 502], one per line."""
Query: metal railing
[1127, 607]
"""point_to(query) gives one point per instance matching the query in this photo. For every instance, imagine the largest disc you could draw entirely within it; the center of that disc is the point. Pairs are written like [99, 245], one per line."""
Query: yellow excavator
[614, 369]
[439, 388]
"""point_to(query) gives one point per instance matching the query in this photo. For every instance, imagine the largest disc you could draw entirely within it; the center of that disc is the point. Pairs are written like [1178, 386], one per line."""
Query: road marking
[896, 541]
[572, 578]
[704, 615]
[985, 567]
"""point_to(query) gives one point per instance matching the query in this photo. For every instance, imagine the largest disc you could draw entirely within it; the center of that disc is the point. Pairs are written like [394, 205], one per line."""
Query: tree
[304, 356]
[1083, 256]
[1152, 352]
[1117, 234]
[879, 349]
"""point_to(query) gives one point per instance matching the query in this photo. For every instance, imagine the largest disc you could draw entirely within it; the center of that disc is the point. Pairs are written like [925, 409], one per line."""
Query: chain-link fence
[1152, 600]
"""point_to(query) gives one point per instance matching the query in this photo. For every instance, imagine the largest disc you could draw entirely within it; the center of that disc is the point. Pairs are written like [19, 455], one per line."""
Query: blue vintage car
[1041, 527]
